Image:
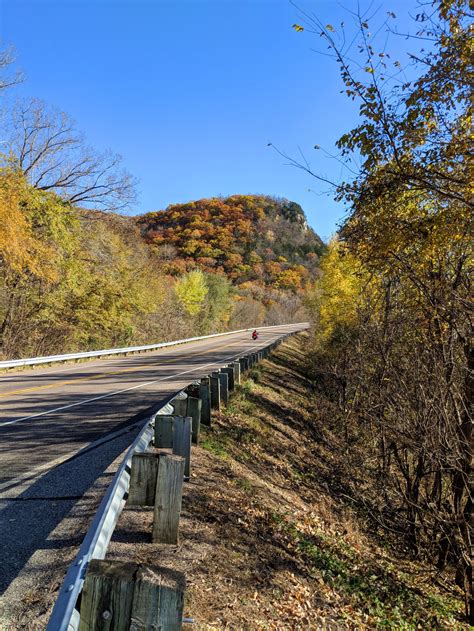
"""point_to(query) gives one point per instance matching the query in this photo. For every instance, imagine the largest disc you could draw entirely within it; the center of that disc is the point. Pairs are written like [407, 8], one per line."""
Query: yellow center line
[99, 376]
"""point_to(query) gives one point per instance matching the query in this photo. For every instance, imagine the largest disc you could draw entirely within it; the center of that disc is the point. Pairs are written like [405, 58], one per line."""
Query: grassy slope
[303, 556]
[267, 538]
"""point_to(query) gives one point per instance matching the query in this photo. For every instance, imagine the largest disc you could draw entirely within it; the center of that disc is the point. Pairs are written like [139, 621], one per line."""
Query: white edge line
[140, 385]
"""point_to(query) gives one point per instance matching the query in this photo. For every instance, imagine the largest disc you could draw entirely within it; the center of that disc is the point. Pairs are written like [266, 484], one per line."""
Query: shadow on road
[27, 519]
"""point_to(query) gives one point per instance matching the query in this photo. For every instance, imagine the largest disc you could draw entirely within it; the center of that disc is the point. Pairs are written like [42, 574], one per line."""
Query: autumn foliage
[393, 342]
[249, 238]
[74, 279]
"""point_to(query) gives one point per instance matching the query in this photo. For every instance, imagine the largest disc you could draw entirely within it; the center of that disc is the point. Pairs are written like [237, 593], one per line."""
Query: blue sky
[190, 92]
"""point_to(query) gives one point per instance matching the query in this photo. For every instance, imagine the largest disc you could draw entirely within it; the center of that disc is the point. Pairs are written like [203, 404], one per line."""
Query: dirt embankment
[268, 538]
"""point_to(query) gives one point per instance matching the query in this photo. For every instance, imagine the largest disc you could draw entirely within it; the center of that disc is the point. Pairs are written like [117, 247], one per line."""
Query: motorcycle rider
[255, 335]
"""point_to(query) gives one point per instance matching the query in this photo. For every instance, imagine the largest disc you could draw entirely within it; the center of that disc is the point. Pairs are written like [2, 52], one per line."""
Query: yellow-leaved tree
[191, 291]
[21, 251]
[337, 294]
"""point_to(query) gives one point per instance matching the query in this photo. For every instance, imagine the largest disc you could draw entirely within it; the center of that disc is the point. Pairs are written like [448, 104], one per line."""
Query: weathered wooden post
[215, 392]
[130, 597]
[236, 366]
[163, 432]
[168, 497]
[224, 387]
[194, 411]
[143, 476]
[180, 404]
[230, 371]
[158, 599]
[205, 396]
[182, 441]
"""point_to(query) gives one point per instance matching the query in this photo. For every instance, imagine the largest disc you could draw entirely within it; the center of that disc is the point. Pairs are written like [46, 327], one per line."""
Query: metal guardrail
[33, 361]
[65, 616]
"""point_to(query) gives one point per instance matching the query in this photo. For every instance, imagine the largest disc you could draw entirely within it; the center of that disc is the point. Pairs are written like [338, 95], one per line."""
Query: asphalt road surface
[65, 426]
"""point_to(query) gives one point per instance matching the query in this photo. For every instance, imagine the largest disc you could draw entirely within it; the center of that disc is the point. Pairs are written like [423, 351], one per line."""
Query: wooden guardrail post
[205, 396]
[143, 476]
[168, 497]
[163, 432]
[194, 411]
[224, 387]
[180, 406]
[215, 391]
[230, 371]
[174, 432]
[236, 366]
[182, 441]
[129, 597]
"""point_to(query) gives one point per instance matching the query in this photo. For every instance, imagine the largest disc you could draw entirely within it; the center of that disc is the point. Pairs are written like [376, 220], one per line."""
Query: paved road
[62, 427]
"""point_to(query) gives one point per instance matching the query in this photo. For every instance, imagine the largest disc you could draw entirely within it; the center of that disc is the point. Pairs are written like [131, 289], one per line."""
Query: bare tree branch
[52, 154]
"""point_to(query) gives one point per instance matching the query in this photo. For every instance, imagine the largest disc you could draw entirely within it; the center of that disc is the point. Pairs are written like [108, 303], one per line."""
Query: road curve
[63, 426]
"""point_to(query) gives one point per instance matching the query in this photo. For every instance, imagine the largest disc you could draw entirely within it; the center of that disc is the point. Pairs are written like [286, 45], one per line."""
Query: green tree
[218, 304]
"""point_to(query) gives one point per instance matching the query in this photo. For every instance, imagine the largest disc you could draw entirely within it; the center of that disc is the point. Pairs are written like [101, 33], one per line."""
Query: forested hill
[250, 238]
[78, 279]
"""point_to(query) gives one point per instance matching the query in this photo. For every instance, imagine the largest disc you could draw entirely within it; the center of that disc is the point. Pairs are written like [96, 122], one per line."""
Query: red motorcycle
[255, 335]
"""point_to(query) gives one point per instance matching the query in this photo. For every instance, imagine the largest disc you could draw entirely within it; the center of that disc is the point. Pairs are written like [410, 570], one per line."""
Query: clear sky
[190, 92]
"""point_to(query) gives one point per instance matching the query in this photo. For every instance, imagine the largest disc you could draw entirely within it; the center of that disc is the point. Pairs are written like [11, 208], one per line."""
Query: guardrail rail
[65, 615]
[33, 361]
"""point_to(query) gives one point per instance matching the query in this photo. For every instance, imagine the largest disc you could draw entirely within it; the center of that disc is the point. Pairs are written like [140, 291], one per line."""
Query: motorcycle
[254, 336]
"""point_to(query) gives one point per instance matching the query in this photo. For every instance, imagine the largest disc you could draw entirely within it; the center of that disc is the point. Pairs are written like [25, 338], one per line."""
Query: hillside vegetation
[253, 239]
[77, 279]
